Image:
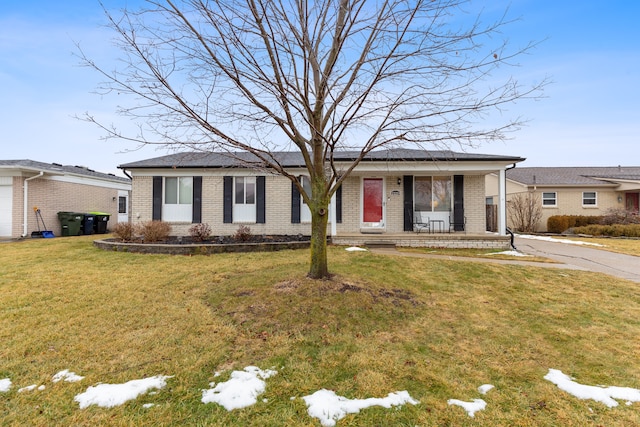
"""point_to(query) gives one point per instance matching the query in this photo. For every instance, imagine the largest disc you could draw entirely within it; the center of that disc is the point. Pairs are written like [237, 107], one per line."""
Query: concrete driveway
[583, 257]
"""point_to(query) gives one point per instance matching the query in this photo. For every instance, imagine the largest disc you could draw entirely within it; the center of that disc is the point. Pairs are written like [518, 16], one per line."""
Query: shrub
[243, 234]
[154, 231]
[557, 224]
[200, 232]
[613, 230]
[620, 216]
[561, 223]
[125, 232]
[525, 210]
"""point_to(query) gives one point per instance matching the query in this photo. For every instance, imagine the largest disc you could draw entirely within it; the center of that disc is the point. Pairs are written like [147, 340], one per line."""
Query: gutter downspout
[505, 208]
[25, 201]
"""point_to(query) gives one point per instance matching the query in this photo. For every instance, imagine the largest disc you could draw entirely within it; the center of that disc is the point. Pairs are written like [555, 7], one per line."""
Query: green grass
[436, 328]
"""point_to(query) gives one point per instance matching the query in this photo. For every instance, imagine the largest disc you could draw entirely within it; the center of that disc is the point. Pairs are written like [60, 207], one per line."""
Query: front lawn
[435, 329]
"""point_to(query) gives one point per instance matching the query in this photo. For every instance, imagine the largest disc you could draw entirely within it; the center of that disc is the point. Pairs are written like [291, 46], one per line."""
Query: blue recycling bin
[87, 223]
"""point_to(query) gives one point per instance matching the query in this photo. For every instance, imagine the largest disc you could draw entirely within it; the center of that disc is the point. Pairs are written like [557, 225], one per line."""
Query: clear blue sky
[590, 116]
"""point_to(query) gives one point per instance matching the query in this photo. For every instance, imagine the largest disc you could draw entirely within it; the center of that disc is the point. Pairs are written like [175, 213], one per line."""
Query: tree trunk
[319, 218]
[319, 266]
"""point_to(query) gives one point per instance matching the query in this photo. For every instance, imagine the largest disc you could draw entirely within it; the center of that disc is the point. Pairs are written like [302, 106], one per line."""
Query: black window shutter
[227, 190]
[260, 200]
[295, 204]
[156, 213]
[339, 205]
[196, 215]
[458, 202]
[407, 182]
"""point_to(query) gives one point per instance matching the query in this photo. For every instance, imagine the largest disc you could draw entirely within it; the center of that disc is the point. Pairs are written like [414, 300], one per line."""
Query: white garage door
[6, 206]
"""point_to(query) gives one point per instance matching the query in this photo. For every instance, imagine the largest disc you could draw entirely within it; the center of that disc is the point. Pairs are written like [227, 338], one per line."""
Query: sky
[589, 116]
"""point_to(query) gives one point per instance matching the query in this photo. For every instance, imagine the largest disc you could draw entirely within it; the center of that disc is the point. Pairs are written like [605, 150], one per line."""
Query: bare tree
[525, 211]
[260, 76]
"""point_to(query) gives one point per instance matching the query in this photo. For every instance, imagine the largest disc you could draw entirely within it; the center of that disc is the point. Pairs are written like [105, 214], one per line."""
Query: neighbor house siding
[59, 196]
[569, 202]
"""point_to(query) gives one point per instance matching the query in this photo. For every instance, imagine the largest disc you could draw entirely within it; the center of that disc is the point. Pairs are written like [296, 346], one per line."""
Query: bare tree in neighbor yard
[315, 77]
[525, 211]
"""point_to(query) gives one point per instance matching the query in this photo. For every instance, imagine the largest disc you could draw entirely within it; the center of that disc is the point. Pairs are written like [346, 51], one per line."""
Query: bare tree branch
[260, 76]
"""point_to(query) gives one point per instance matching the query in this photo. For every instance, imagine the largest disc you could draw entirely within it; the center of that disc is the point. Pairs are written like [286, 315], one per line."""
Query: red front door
[373, 191]
[632, 202]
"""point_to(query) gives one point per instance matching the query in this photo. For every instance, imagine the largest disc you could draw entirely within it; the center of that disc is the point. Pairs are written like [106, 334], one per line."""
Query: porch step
[379, 244]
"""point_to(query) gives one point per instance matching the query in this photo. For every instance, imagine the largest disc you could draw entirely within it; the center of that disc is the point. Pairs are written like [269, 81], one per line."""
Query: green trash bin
[100, 222]
[71, 223]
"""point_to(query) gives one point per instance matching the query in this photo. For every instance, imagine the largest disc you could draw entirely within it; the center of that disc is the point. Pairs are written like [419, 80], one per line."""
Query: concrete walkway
[567, 256]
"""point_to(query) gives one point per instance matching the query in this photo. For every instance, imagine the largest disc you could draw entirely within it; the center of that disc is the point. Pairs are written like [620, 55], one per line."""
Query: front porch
[427, 240]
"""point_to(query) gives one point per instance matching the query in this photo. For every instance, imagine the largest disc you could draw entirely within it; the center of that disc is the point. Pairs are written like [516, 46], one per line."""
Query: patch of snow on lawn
[551, 239]
[329, 407]
[601, 394]
[355, 249]
[484, 388]
[70, 377]
[471, 407]
[240, 391]
[27, 388]
[5, 385]
[510, 253]
[110, 395]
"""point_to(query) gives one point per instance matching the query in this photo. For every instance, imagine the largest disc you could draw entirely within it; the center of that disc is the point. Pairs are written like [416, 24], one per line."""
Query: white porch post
[502, 204]
[332, 215]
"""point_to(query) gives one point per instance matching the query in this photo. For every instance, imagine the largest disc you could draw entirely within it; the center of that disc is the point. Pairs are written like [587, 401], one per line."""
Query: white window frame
[433, 202]
[305, 212]
[244, 208]
[594, 198]
[554, 199]
[182, 209]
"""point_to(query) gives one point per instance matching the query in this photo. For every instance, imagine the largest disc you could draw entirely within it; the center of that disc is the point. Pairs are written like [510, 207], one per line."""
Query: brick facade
[278, 205]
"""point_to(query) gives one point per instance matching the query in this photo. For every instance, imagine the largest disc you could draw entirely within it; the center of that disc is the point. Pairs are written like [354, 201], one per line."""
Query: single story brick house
[376, 202]
[52, 187]
[590, 191]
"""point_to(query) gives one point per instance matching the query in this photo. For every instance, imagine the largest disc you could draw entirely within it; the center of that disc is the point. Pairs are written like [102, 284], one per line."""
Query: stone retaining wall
[197, 249]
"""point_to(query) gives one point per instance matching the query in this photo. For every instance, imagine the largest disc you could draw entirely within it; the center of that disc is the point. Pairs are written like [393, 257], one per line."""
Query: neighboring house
[379, 197]
[25, 184]
[590, 191]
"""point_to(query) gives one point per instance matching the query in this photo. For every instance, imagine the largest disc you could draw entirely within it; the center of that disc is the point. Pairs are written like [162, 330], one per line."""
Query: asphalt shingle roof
[294, 159]
[579, 176]
[56, 168]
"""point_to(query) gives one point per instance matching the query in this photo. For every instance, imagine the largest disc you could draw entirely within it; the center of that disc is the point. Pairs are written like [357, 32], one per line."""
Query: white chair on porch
[421, 222]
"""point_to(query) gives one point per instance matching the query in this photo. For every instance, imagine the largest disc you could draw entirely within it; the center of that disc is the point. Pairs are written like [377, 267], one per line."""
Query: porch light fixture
[399, 181]
[619, 199]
